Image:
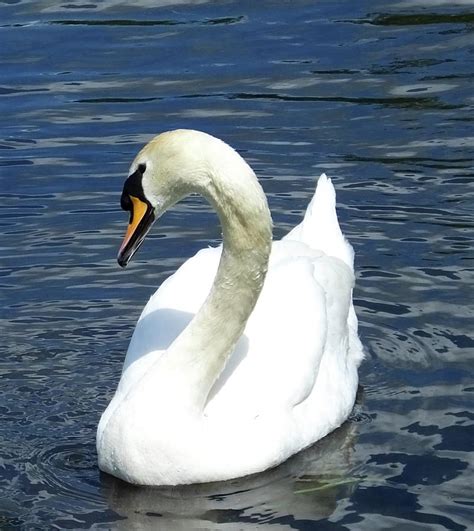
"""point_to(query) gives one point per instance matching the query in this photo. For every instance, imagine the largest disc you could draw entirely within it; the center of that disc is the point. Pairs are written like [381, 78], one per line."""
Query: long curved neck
[198, 355]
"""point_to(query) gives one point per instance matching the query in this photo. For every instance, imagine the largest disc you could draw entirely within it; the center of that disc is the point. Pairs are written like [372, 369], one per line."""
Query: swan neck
[202, 349]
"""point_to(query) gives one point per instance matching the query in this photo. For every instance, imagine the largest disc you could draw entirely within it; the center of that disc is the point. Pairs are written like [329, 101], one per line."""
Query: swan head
[171, 166]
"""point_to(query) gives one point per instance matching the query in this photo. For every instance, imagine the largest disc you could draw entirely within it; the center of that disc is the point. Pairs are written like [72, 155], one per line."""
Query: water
[379, 95]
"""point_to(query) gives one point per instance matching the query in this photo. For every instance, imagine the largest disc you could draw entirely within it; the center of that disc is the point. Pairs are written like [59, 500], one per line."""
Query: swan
[249, 352]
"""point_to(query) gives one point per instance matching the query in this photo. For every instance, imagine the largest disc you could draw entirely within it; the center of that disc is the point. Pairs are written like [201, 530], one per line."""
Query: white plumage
[225, 411]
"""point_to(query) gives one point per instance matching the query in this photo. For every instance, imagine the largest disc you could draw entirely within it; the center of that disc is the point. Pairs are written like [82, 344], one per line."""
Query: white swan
[249, 352]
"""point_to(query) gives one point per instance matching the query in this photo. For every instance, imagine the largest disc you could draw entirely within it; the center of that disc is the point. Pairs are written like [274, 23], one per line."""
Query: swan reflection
[306, 486]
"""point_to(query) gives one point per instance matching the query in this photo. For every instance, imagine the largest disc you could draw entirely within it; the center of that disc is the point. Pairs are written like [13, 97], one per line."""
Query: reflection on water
[305, 487]
[380, 97]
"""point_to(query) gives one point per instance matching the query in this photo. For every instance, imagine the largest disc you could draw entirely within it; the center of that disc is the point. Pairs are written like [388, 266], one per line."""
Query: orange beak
[141, 220]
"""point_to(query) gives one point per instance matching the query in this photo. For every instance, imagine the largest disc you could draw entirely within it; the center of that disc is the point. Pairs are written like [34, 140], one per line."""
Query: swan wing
[301, 316]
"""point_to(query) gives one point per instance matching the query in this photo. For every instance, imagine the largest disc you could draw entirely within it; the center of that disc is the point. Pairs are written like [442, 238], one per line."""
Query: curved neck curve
[198, 355]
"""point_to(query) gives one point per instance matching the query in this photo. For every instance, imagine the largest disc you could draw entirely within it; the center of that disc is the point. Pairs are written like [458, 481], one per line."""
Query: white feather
[290, 379]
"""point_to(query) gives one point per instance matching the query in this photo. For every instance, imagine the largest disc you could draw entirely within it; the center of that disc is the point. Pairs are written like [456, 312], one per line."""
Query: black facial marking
[133, 186]
[126, 204]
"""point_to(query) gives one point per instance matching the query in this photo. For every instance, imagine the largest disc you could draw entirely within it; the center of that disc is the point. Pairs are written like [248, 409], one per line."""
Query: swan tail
[320, 227]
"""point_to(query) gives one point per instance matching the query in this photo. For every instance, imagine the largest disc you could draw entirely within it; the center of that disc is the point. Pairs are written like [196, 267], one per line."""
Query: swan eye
[142, 168]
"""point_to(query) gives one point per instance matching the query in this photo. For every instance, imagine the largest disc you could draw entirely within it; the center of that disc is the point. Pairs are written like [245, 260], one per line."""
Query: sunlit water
[377, 94]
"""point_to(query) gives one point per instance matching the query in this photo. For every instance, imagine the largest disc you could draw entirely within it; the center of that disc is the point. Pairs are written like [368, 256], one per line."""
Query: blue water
[377, 94]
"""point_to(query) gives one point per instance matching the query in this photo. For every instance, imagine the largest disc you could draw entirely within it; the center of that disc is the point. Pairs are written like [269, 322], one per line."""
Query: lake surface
[378, 94]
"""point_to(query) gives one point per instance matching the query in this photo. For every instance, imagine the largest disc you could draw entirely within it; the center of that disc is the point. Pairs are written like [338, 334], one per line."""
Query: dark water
[377, 94]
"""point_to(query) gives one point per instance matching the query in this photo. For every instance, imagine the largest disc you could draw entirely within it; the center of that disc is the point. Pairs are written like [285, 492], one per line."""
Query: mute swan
[249, 352]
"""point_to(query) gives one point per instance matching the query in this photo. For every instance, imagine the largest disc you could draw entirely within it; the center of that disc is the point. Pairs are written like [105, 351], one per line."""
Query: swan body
[249, 352]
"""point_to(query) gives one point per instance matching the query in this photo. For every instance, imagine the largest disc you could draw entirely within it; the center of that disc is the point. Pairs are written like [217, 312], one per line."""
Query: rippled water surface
[377, 94]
